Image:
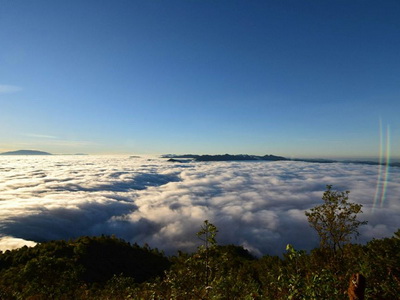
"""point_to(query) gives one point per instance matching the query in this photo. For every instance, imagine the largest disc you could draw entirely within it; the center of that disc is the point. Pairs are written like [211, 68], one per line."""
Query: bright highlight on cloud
[9, 243]
[259, 205]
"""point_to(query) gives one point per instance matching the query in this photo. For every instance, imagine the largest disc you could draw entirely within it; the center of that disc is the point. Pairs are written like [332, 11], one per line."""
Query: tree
[336, 220]
[207, 235]
[192, 276]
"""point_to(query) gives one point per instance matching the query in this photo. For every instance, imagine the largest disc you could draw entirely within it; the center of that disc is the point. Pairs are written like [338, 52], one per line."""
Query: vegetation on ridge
[110, 268]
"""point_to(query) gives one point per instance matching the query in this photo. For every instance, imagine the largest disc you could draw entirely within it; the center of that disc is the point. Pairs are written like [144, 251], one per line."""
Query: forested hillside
[109, 268]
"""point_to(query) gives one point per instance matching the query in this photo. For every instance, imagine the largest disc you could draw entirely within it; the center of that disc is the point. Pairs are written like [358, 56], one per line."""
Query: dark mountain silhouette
[229, 157]
[224, 157]
[25, 152]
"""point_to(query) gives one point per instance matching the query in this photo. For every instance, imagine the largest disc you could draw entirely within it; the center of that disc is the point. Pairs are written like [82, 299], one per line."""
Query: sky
[293, 78]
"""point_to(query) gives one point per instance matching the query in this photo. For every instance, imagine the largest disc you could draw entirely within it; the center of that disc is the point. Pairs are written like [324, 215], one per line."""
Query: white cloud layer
[259, 205]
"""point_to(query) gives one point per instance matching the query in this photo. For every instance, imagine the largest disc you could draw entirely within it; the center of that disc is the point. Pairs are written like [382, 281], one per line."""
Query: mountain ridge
[270, 157]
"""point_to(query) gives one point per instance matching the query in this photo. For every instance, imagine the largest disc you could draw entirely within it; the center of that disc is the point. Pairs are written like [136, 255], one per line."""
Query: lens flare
[387, 166]
[384, 167]
[378, 183]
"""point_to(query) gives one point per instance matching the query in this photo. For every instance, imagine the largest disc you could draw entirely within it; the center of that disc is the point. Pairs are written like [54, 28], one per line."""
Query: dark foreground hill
[26, 152]
[56, 268]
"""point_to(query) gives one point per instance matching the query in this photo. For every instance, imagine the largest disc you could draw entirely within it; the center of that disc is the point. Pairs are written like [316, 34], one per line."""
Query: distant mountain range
[224, 157]
[246, 157]
[25, 152]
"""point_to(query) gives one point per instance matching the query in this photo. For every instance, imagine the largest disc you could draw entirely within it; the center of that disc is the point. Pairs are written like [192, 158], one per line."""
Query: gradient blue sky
[294, 78]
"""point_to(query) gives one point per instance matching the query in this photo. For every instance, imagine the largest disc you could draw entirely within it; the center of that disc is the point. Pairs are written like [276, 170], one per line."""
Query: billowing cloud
[259, 205]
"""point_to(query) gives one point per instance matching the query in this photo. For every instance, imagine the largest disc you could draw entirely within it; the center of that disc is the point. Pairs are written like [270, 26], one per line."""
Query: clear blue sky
[294, 78]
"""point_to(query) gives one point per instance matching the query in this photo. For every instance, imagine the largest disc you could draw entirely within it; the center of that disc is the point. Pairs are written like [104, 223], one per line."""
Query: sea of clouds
[259, 205]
